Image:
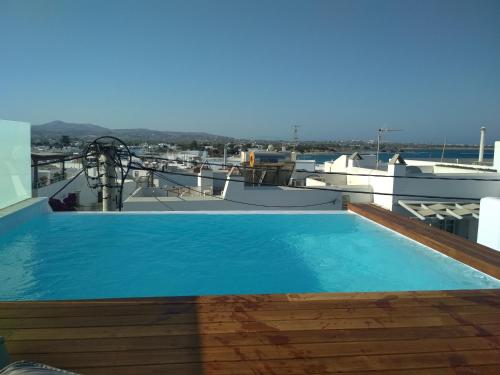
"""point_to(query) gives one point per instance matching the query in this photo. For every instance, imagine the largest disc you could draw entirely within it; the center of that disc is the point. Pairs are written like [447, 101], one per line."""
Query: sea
[451, 155]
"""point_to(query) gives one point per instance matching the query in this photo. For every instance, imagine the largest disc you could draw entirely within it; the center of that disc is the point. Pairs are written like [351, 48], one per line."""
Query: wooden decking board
[465, 370]
[470, 298]
[335, 364]
[397, 332]
[244, 339]
[254, 315]
[473, 254]
[268, 352]
[250, 300]
[251, 358]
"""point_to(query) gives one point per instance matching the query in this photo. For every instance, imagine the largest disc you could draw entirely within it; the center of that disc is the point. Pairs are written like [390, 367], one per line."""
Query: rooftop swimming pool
[92, 255]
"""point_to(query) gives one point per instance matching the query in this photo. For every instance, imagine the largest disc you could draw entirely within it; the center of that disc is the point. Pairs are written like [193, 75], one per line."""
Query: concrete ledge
[488, 233]
[19, 213]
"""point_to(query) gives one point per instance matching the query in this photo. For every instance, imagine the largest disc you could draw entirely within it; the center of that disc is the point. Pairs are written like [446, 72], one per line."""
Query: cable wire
[248, 203]
[57, 161]
[332, 173]
[67, 184]
[316, 188]
[115, 155]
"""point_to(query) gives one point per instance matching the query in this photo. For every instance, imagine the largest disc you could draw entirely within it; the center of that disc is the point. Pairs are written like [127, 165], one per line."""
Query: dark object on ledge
[68, 204]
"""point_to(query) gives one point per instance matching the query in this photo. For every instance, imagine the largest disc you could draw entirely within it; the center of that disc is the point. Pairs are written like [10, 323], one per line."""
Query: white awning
[426, 210]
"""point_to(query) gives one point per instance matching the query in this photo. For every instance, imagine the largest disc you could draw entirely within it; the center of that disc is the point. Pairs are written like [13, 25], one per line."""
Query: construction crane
[381, 131]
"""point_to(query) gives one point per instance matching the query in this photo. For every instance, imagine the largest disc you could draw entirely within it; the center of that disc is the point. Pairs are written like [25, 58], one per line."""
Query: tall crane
[380, 132]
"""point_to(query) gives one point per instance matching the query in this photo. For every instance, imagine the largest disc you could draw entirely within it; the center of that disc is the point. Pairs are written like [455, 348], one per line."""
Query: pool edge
[477, 256]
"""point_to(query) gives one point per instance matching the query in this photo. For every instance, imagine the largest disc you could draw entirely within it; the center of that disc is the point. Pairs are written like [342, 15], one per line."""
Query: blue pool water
[76, 256]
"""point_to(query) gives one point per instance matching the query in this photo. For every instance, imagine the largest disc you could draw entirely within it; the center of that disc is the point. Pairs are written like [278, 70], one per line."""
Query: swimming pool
[93, 255]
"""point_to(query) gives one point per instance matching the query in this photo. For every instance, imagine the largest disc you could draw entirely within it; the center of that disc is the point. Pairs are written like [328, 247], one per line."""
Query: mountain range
[56, 129]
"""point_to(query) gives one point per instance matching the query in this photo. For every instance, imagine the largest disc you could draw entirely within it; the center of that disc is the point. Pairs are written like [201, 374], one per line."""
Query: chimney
[496, 157]
[481, 145]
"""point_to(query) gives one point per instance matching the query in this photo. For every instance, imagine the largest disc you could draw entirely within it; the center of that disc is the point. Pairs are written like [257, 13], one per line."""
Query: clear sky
[340, 69]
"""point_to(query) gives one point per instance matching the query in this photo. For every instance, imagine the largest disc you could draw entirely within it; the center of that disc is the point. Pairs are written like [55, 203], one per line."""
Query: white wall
[489, 223]
[280, 196]
[87, 196]
[17, 214]
[305, 165]
[449, 188]
[275, 198]
[15, 162]
[378, 184]
[400, 186]
[496, 156]
[352, 196]
[177, 180]
[432, 167]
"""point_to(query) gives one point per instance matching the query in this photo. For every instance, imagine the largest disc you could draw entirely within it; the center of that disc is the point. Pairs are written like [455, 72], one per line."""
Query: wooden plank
[252, 299]
[263, 316]
[296, 302]
[196, 370]
[244, 339]
[261, 352]
[226, 327]
[323, 365]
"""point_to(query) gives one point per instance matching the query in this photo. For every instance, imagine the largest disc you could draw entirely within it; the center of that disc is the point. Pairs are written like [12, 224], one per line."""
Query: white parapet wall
[489, 223]
[15, 162]
[17, 214]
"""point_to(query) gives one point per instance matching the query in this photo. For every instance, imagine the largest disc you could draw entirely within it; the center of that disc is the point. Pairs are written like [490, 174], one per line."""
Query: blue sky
[340, 69]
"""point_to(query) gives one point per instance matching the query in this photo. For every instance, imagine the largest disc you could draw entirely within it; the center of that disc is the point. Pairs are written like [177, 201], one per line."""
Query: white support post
[481, 145]
[109, 183]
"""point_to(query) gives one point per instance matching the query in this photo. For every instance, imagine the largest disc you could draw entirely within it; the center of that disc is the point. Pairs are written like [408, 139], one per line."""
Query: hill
[56, 129]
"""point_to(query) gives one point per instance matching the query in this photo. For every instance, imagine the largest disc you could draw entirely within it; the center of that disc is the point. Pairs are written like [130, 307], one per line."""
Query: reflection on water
[17, 266]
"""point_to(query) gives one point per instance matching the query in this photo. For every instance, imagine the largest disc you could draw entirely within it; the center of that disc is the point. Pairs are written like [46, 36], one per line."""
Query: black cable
[67, 184]
[91, 159]
[318, 188]
[248, 203]
[56, 161]
[335, 173]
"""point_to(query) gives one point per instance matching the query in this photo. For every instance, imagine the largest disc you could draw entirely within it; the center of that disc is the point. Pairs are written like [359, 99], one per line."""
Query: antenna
[295, 136]
[442, 152]
[381, 131]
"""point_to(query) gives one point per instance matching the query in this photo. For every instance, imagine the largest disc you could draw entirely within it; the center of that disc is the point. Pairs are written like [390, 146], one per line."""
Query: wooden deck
[455, 332]
[471, 253]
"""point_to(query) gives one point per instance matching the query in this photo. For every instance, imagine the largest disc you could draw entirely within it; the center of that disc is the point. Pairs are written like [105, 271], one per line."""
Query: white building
[236, 195]
[444, 194]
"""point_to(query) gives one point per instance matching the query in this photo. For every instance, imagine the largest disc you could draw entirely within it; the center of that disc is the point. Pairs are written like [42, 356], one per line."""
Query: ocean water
[78, 256]
[449, 155]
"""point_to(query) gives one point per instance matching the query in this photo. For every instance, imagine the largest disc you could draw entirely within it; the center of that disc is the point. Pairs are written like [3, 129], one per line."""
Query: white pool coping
[227, 212]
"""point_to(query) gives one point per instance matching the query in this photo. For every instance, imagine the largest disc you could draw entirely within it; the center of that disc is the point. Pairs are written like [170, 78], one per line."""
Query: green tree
[65, 141]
